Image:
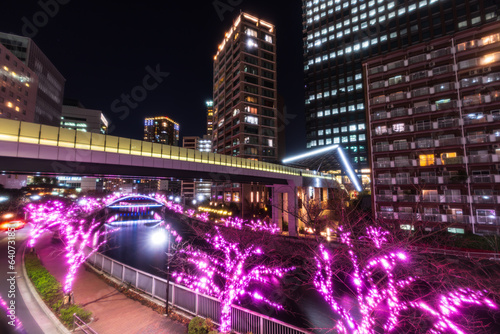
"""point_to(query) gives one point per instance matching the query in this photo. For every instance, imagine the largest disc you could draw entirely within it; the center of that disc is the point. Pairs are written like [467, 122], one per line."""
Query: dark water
[134, 246]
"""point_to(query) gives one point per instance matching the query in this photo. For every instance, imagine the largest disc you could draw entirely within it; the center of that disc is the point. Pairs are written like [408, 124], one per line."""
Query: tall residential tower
[245, 99]
[340, 35]
[161, 130]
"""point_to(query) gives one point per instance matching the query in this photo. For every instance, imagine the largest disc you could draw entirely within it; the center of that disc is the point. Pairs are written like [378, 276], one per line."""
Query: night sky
[103, 50]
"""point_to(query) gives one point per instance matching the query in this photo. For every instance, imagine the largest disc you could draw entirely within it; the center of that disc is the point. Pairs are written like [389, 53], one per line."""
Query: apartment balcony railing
[407, 216]
[378, 100]
[485, 178]
[382, 148]
[425, 143]
[400, 146]
[447, 105]
[431, 217]
[405, 163]
[453, 199]
[423, 109]
[453, 161]
[477, 119]
[428, 180]
[487, 158]
[386, 215]
[382, 164]
[486, 199]
[447, 123]
[430, 199]
[378, 84]
[383, 181]
[423, 126]
[485, 138]
[399, 112]
[492, 220]
[458, 219]
[381, 115]
[403, 180]
[385, 198]
[397, 96]
[407, 198]
[449, 142]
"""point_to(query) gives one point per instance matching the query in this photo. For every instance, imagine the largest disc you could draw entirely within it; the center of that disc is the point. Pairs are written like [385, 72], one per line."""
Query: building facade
[198, 190]
[18, 88]
[434, 122]
[210, 118]
[161, 130]
[245, 98]
[76, 117]
[50, 88]
[340, 35]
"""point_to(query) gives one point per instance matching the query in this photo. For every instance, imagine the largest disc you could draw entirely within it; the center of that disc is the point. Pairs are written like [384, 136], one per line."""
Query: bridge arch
[134, 197]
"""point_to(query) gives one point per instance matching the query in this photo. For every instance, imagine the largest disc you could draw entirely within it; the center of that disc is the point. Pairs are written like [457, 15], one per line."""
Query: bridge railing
[32, 133]
[189, 301]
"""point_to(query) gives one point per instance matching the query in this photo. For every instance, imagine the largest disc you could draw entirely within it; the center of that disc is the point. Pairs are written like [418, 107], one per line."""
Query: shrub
[199, 325]
[50, 291]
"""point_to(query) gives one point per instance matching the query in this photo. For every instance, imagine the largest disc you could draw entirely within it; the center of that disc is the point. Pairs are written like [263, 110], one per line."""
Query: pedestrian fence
[81, 325]
[189, 301]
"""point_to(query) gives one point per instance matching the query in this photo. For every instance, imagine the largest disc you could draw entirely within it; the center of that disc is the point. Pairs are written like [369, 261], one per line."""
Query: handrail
[80, 324]
[177, 286]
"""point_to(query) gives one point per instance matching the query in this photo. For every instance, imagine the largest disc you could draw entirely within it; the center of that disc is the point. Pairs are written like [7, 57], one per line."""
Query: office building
[50, 88]
[340, 35]
[18, 88]
[434, 123]
[76, 117]
[198, 190]
[245, 99]
[161, 130]
[210, 118]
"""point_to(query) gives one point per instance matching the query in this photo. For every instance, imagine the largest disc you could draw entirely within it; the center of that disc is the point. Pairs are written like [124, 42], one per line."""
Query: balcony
[385, 198]
[405, 163]
[491, 220]
[453, 199]
[420, 92]
[378, 100]
[446, 105]
[400, 146]
[382, 181]
[448, 123]
[487, 158]
[431, 217]
[485, 178]
[381, 148]
[430, 199]
[407, 216]
[378, 84]
[423, 126]
[486, 199]
[428, 180]
[386, 215]
[458, 219]
[381, 115]
[480, 139]
[453, 161]
[382, 164]
[449, 142]
[397, 96]
[425, 143]
[419, 75]
[422, 109]
[399, 112]
[407, 198]
[403, 180]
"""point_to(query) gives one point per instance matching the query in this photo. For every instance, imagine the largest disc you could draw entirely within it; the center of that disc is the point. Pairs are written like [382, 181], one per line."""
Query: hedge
[51, 292]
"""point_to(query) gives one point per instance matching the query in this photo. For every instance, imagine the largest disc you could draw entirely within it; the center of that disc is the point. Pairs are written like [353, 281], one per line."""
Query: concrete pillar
[285, 206]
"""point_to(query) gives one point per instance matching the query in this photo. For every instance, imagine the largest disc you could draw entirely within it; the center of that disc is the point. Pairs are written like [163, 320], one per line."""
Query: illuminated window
[251, 110]
[427, 159]
[251, 32]
[449, 155]
[251, 120]
[268, 38]
[398, 127]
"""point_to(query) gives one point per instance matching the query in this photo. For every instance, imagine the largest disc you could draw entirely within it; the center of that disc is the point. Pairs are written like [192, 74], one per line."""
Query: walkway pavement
[113, 312]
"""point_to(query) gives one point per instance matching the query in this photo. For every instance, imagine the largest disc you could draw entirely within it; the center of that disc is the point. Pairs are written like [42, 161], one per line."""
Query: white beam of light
[350, 171]
[310, 154]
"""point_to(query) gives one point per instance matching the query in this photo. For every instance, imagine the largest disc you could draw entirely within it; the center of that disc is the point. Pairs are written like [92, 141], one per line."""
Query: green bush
[67, 314]
[50, 291]
[199, 325]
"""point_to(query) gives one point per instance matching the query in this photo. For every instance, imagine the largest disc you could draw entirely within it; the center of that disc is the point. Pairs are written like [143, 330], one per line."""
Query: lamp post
[168, 274]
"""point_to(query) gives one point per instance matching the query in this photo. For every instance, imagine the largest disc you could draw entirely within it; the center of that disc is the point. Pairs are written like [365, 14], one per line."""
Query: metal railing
[191, 302]
[81, 325]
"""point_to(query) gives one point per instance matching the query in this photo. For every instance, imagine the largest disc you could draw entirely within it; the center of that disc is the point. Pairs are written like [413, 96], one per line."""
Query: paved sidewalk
[113, 312]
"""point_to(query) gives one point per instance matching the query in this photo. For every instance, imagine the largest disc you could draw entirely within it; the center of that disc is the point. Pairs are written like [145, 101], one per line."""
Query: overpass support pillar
[284, 203]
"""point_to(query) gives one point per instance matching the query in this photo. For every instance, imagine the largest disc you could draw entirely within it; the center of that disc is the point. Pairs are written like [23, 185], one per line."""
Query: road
[28, 323]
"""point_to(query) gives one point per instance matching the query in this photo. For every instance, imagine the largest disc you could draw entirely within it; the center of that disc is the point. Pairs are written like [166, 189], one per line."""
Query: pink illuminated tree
[82, 239]
[46, 216]
[229, 272]
[388, 296]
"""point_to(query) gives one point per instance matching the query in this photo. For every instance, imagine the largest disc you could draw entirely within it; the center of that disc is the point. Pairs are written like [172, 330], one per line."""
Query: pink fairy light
[264, 227]
[236, 222]
[191, 213]
[227, 277]
[204, 217]
[372, 296]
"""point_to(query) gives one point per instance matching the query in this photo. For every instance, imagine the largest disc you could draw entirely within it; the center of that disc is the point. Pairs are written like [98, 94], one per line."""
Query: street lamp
[159, 238]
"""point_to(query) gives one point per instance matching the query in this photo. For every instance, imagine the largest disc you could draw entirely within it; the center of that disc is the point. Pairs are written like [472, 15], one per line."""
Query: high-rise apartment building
[198, 190]
[197, 143]
[18, 88]
[434, 123]
[210, 118]
[245, 98]
[161, 130]
[50, 88]
[340, 35]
